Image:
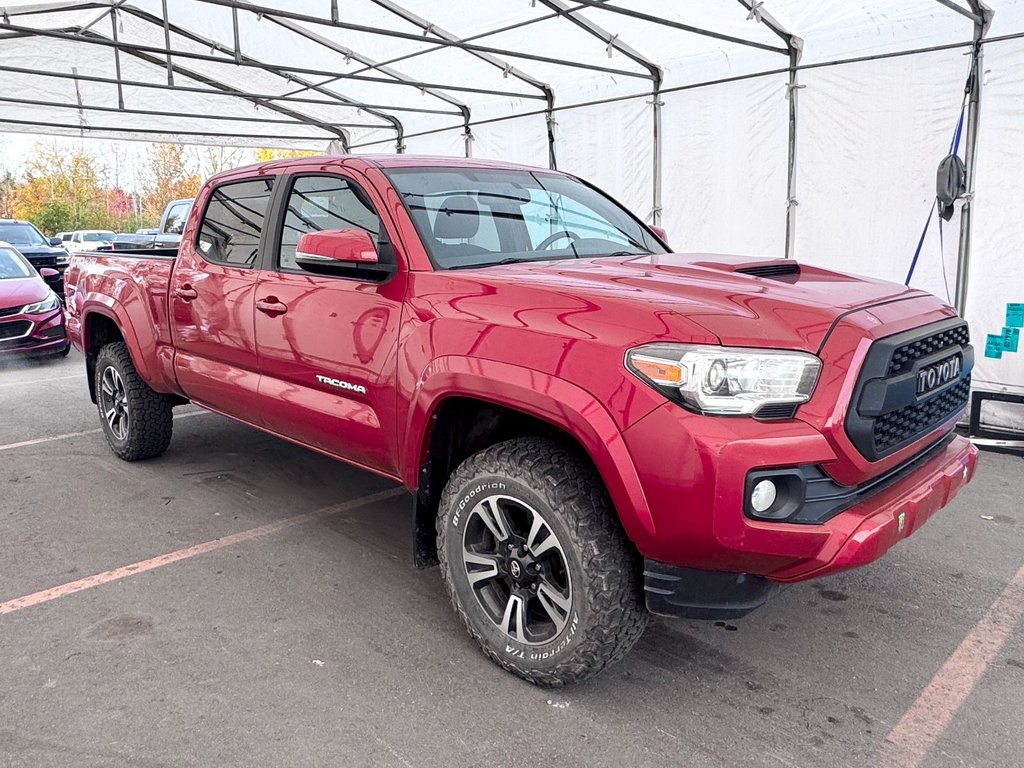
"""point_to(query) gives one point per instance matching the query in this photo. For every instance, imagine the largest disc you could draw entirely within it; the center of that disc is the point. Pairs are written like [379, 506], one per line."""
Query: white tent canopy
[773, 127]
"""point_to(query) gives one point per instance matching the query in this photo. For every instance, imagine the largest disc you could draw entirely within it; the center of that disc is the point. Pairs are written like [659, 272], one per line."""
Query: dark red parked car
[31, 315]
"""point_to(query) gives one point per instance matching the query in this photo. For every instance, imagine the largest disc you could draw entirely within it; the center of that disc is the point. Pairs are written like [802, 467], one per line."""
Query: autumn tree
[170, 174]
[62, 189]
[266, 154]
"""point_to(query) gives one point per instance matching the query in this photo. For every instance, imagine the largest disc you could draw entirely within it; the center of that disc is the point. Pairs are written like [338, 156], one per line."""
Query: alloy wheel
[517, 569]
[114, 399]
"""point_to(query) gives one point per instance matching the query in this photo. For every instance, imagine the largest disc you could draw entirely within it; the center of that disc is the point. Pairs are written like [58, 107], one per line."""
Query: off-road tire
[606, 593]
[149, 413]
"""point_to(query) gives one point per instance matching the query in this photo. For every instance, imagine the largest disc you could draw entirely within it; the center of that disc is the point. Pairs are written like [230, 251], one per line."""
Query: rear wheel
[136, 420]
[536, 563]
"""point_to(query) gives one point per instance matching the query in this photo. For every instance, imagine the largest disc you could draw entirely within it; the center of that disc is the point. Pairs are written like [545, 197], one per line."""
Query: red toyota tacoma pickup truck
[594, 428]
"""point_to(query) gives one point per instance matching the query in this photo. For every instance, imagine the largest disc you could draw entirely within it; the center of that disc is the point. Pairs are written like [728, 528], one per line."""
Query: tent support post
[794, 49]
[657, 104]
[963, 260]
[792, 89]
[549, 121]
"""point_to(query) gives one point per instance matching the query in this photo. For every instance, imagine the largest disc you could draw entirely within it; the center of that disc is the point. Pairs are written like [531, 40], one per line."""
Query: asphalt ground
[314, 642]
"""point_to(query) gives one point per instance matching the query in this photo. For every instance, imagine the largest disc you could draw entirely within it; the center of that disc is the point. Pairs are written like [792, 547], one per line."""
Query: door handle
[271, 306]
[186, 292]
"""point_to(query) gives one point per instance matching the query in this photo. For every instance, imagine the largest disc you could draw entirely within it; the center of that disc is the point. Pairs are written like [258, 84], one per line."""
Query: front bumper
[694, 470]
[33, 334]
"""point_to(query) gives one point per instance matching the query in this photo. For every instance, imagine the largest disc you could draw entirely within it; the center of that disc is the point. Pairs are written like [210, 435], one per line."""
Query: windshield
[471, 217]
[95, 237]
[12, 266]
[21, 234]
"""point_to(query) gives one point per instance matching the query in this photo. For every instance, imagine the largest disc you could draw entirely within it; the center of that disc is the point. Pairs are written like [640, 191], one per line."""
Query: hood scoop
[773, 269]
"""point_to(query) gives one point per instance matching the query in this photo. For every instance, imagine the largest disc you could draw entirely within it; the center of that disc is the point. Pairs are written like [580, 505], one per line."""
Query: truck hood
[21, 291]
[37, 251]
[744, 302]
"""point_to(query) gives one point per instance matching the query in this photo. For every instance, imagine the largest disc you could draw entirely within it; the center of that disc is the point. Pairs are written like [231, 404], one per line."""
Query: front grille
[43, 261]
[904, 357]
[887, 413]
[11, 311]
[14, 330]
[905, 424]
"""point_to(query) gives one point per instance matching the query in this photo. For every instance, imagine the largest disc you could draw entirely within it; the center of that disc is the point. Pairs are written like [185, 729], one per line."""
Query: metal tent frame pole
[654, 74]
[794, 49]
[982, 19]
[448, 38]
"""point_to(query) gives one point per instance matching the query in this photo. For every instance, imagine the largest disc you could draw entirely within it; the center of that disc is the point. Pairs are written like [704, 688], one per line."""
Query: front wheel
[536, 563]
[136, 419]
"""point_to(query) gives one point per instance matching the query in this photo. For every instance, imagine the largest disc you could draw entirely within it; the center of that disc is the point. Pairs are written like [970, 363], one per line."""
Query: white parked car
[88, 240]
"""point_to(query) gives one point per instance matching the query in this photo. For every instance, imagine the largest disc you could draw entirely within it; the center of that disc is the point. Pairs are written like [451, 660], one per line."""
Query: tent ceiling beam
[213, 83]
[397, 75]
[678, 25]
[455, 42]
[546, 91]
[164, 113]
[479, 36]
[161, 131]
[258, 99]
[228, 57]
[953, 6]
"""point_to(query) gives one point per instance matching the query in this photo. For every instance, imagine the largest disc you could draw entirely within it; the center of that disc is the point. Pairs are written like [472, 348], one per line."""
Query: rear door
[211, 298]
[328, 343]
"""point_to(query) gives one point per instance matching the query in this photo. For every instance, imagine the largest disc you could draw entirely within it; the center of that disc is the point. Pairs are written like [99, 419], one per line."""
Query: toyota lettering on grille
[934, 376]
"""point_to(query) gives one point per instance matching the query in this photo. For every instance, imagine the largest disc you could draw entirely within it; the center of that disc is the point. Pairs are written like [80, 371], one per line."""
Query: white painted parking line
[26, 382]
[40, 440]
[924, 723]
[99, 579]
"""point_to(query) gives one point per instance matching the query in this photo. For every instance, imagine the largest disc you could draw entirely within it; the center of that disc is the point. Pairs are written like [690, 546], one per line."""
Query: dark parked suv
[41, 251]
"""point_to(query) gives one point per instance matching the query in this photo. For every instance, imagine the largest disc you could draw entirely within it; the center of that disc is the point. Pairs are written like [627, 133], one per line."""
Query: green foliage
[55, 216]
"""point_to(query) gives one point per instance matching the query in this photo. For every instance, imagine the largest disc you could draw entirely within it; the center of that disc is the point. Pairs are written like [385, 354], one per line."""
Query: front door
[211, 295]
[328, 343]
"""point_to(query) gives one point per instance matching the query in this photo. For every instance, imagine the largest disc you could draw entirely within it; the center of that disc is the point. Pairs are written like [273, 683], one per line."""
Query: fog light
[763, 496]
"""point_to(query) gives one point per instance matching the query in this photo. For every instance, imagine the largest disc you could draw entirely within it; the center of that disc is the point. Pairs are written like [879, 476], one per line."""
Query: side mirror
[346, 246]
[49, 273]
[55, 241]
[661, 233]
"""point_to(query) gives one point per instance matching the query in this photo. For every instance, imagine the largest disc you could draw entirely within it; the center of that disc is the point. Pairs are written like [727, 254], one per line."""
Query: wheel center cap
[515, 568]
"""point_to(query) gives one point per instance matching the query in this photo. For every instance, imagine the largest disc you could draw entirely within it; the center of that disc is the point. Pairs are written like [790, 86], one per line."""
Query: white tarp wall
[870, 133]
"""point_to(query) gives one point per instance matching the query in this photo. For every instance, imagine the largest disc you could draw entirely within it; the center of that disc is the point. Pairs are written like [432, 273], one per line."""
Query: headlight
[46, 305]
[726, 380]
[62, 258]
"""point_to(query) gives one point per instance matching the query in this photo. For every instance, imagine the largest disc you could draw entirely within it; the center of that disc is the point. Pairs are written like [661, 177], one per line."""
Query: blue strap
[920, 244]
[954, 148]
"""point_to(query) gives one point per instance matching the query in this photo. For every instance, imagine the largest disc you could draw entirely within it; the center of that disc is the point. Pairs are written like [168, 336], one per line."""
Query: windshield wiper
[628, 253]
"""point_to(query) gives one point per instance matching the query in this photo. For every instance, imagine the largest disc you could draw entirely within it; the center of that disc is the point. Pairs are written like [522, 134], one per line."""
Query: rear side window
[317, 203]
[233, 222]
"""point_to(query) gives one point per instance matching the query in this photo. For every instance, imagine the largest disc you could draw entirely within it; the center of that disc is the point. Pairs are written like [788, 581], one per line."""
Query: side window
[233, 222]
[324, 202]
[176, 217]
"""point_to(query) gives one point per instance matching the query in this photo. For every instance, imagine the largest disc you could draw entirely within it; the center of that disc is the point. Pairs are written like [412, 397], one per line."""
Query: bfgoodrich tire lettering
[136, 420]
[536, 564]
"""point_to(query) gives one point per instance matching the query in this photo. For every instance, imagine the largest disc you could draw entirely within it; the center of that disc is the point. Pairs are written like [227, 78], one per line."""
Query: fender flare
[98, 304]
[551, 399]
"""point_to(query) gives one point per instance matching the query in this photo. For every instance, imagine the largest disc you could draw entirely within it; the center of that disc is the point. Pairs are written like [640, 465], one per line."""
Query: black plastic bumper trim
[691, 593]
